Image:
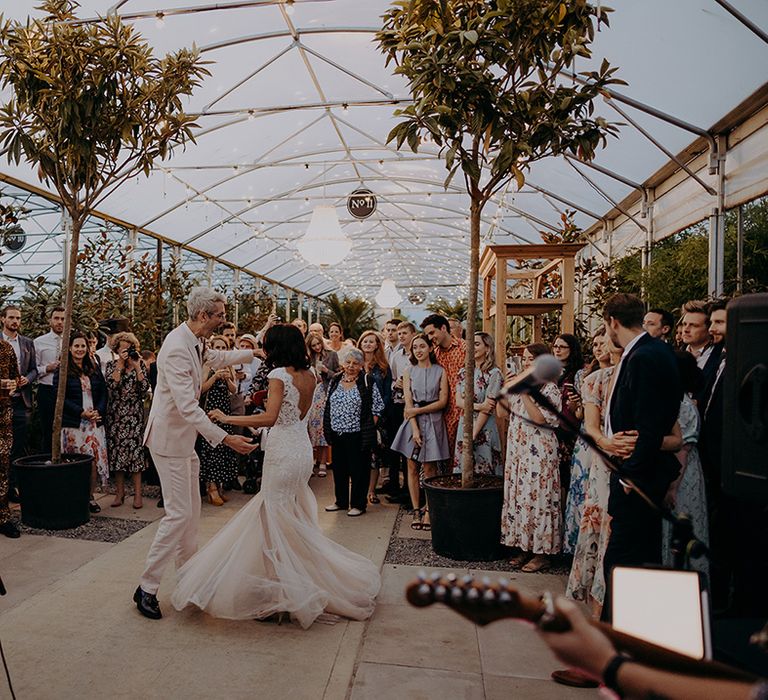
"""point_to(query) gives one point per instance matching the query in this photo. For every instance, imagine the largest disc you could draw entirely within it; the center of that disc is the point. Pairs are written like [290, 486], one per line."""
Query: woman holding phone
[422, 437]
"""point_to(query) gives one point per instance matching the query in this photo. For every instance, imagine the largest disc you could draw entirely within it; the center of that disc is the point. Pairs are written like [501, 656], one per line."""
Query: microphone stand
[685, 546]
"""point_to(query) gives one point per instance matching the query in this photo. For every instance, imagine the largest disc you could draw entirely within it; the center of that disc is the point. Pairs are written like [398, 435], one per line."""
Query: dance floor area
[69, 629]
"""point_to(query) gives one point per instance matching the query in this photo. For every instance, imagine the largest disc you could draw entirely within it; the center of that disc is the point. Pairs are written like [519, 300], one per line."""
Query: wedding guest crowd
[387, 413]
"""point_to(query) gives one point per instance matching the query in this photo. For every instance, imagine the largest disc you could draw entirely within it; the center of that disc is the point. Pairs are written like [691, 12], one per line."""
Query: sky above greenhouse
[297, 111]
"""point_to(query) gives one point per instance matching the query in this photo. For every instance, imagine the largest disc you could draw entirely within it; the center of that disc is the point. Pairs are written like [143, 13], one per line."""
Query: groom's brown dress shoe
[147, 604]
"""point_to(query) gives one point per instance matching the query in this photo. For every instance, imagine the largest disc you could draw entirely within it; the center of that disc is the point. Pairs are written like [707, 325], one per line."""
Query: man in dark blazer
[24, 348]
[645, 400]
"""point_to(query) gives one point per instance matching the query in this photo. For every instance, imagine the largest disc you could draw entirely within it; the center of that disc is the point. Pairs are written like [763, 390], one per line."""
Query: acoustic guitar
[484, 602]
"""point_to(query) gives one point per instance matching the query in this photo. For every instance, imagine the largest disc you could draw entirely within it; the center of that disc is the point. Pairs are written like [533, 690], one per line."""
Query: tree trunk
[467, 454]
[58, 412]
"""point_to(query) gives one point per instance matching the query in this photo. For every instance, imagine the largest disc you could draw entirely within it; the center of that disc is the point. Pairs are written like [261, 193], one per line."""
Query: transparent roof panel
[297, 111]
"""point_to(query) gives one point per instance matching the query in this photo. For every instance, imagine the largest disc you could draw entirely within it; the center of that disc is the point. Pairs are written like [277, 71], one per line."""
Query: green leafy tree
[90, 107]
[456, 309]
[486, 87]
[354, 315]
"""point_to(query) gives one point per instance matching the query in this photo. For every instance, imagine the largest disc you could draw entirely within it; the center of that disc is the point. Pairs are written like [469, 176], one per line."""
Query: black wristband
[611, 671]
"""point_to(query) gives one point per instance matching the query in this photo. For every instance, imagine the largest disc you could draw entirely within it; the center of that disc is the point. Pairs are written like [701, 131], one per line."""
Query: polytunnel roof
[298, 108]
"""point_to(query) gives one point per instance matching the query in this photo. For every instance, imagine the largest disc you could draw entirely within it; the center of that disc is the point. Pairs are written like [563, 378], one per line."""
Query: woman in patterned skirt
[325, 364]
[218, 464]
[85, 407]
[531, 520]
[486, 443]
[127, 389]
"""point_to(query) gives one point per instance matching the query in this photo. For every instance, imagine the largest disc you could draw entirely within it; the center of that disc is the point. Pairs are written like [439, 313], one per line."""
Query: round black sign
[14, 238]
[361, 203]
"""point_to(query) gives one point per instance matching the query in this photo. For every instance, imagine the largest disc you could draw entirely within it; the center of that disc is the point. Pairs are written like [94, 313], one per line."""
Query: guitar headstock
[481, 601]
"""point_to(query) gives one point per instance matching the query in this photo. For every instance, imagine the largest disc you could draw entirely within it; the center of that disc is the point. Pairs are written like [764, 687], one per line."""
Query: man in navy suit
[645, 398]
[21, 400]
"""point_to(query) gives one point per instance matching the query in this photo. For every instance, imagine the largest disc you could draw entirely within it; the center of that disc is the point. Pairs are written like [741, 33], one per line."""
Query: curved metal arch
[282, 33]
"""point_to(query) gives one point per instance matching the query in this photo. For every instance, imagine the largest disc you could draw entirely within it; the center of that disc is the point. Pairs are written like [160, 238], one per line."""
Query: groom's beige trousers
[176, 536]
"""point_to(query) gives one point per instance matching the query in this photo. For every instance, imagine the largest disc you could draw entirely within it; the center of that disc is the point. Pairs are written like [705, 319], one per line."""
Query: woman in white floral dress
[531, 519]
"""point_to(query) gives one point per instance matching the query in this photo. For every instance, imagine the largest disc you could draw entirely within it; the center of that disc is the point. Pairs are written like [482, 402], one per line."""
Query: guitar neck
[484, 602]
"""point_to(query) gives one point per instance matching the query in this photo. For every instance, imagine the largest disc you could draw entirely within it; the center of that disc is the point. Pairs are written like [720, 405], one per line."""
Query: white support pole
[209, 267]
[133, 240]
[300, 299]
[716, 274]
[288, 297]
[236, 285]
[66, 227]
[176, 258]
[739, 248]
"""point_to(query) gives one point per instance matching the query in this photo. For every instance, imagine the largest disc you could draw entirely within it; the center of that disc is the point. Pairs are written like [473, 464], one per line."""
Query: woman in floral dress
[531, 520]
[581, 457]
[218, 464]
[85, 407]
[325, 364]
[687, 493]
[127, 389]
[486, 445]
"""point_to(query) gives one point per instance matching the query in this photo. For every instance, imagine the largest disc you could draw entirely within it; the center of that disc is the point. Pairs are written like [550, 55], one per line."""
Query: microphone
[545, 368]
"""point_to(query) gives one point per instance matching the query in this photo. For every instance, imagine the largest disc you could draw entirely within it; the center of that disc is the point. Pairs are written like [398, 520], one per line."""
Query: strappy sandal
[373, 498]
[416, 523]
[425, 524]
[519, 560]
[540, 562]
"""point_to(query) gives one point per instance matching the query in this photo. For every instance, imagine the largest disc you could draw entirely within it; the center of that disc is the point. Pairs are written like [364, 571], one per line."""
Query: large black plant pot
[466, 523]
[54, 496]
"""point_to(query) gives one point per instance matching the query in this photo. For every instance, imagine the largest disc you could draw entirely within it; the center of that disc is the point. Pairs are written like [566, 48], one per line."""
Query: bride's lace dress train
[272, 556]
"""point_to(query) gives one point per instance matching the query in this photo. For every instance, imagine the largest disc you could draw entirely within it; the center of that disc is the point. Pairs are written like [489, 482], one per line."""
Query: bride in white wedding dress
[272, 558]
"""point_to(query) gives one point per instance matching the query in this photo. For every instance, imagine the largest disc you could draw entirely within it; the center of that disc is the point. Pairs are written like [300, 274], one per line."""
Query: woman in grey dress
[422, 437]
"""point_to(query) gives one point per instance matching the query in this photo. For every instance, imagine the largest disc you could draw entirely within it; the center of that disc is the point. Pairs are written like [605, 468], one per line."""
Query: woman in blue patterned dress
[581, 458]
[349, 424]
[486, 444]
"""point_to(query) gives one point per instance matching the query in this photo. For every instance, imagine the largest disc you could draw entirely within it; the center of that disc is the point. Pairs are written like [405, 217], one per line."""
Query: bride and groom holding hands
[271, 558]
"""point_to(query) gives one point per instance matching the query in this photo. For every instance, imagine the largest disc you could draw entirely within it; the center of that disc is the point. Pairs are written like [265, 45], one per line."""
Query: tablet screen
[663, 607]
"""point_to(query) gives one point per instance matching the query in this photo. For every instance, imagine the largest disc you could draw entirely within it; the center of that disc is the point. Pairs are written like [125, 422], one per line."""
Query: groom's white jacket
[176, 418]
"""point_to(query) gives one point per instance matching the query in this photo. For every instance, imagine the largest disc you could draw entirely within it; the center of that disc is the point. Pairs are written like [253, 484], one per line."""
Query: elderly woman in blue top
[352, 410]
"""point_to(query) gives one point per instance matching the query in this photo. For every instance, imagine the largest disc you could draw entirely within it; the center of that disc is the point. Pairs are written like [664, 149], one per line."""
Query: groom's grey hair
[203, 300]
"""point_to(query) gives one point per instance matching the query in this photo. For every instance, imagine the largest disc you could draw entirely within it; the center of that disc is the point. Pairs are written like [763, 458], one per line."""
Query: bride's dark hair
[284, 345]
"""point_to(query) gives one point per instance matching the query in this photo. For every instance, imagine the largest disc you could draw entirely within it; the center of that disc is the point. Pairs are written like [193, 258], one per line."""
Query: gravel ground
[414, 552]
[98, 529]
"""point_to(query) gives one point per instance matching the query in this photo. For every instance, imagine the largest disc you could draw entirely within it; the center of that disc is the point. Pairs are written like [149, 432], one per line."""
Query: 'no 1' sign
[361, 203]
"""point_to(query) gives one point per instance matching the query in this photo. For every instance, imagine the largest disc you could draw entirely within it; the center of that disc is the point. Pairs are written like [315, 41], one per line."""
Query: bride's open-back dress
[272, 556]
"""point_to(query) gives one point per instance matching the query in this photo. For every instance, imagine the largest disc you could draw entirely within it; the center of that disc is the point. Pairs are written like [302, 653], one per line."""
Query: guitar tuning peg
[466, 580]
[473, 595]
[503, 583]
[441, 593]
[451, 578]
[457, 594]
[485, 581]
[425, 592]
[422, 576]
[489, 596]
[435, 576]
[505, 597]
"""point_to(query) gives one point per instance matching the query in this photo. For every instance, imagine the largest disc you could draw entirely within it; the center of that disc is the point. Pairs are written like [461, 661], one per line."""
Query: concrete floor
[70, 630]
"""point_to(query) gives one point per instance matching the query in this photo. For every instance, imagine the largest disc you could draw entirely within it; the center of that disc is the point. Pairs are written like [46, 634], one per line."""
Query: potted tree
[486, 86]
[90, 107]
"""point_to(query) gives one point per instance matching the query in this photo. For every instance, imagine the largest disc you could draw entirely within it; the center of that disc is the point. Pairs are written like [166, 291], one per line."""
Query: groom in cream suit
[175, 420]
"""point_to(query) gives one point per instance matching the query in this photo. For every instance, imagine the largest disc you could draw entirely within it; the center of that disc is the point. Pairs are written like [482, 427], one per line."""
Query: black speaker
[745, 399]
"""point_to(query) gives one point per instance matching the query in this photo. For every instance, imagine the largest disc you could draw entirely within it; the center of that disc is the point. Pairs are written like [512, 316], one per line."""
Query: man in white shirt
[399, 363]
[175, 420]
[391, 342]
[696, 335]
[21, 399]
[106, 354]
[47, 356]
